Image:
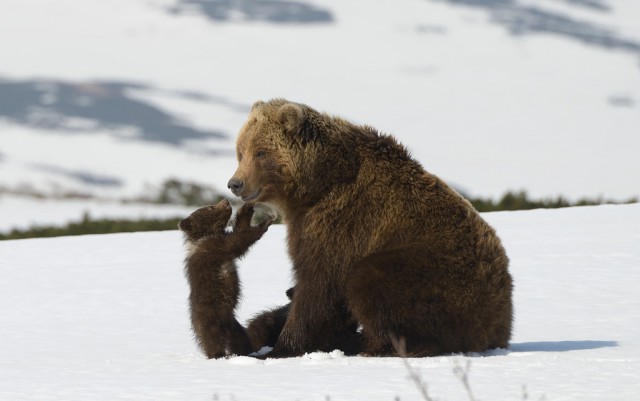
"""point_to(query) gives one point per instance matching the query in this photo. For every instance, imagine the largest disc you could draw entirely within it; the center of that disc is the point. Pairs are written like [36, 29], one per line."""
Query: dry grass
[462, 373]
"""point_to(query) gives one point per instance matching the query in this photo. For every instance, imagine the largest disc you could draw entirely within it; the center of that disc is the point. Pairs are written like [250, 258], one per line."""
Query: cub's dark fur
[212, 275]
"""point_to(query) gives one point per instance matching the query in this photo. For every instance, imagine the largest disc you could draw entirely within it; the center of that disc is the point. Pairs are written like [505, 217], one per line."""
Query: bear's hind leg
[390, 296]
[211, 337]
[239, 343]
[265, 328]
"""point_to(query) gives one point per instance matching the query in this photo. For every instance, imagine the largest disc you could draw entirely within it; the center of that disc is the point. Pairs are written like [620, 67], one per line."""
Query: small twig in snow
[463, 374]
[400, 345]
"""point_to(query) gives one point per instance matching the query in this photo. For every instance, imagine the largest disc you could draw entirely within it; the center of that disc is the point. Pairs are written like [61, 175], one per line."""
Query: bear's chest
[327, 242]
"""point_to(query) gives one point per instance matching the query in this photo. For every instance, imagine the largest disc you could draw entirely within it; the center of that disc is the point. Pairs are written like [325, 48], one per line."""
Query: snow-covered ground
[112, 97]
[109, 96]
[105, 318]
[24, 212]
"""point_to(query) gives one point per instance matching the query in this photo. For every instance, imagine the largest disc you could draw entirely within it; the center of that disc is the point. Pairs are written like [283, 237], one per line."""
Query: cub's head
[290, 155]
[206, 221]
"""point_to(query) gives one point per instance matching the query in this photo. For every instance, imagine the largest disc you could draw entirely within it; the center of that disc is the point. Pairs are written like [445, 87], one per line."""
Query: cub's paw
[257, 231]
[264, 224]
[243, 221]
[243, 218]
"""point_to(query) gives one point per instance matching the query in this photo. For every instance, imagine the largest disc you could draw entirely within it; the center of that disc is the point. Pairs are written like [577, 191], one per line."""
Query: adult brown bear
[376, 241]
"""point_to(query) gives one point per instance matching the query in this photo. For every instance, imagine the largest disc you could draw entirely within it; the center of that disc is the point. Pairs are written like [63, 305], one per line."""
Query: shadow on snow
[561, 346]
[273, 11]
[521, 19]
[87, 178]
[86, 107]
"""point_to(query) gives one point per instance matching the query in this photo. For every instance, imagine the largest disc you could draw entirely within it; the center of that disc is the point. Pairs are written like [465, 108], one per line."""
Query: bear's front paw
[264, 224]
[243, 218]
[257, 231]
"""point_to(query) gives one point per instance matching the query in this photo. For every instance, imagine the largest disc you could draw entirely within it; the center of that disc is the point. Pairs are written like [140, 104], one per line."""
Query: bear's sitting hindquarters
[375, 240]
[212, 275]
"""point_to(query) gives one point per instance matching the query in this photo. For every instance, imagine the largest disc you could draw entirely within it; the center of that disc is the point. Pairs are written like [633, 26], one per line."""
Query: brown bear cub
[375, 240]
[212, 275]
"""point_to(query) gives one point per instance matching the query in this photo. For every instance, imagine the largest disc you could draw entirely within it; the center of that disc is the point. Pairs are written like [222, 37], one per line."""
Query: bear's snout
[235, 186]
[184, 224]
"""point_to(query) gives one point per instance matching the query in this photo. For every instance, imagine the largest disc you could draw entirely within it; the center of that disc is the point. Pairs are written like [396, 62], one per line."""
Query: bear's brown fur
[375, 240]
[213, 278]
[264, 328]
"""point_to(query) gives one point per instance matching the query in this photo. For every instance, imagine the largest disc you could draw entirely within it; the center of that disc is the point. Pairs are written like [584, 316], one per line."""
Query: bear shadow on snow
[561, 346]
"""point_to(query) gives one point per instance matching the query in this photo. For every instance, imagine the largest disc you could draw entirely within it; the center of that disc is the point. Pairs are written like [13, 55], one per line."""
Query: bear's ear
[291, 116]
[256, 105]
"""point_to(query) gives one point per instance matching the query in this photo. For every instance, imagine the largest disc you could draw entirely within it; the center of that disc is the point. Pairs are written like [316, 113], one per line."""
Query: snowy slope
[109, 96]
[22, 212]
[105, 318]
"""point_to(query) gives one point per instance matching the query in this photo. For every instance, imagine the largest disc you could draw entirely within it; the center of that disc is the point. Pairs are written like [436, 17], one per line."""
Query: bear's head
[206, 221]
[290, 155]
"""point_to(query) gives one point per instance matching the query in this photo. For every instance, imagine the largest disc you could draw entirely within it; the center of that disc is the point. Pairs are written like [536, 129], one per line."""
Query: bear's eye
[261, 154]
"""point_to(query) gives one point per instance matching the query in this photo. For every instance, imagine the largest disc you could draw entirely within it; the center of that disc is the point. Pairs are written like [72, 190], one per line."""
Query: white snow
[24, 212]
[484, 108]
[105, 318]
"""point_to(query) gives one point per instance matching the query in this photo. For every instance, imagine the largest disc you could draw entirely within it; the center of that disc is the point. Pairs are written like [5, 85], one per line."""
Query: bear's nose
[235, 186]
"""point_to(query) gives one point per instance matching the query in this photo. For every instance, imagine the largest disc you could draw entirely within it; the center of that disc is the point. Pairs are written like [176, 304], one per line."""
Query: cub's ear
[291, 116]
[256, 105]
